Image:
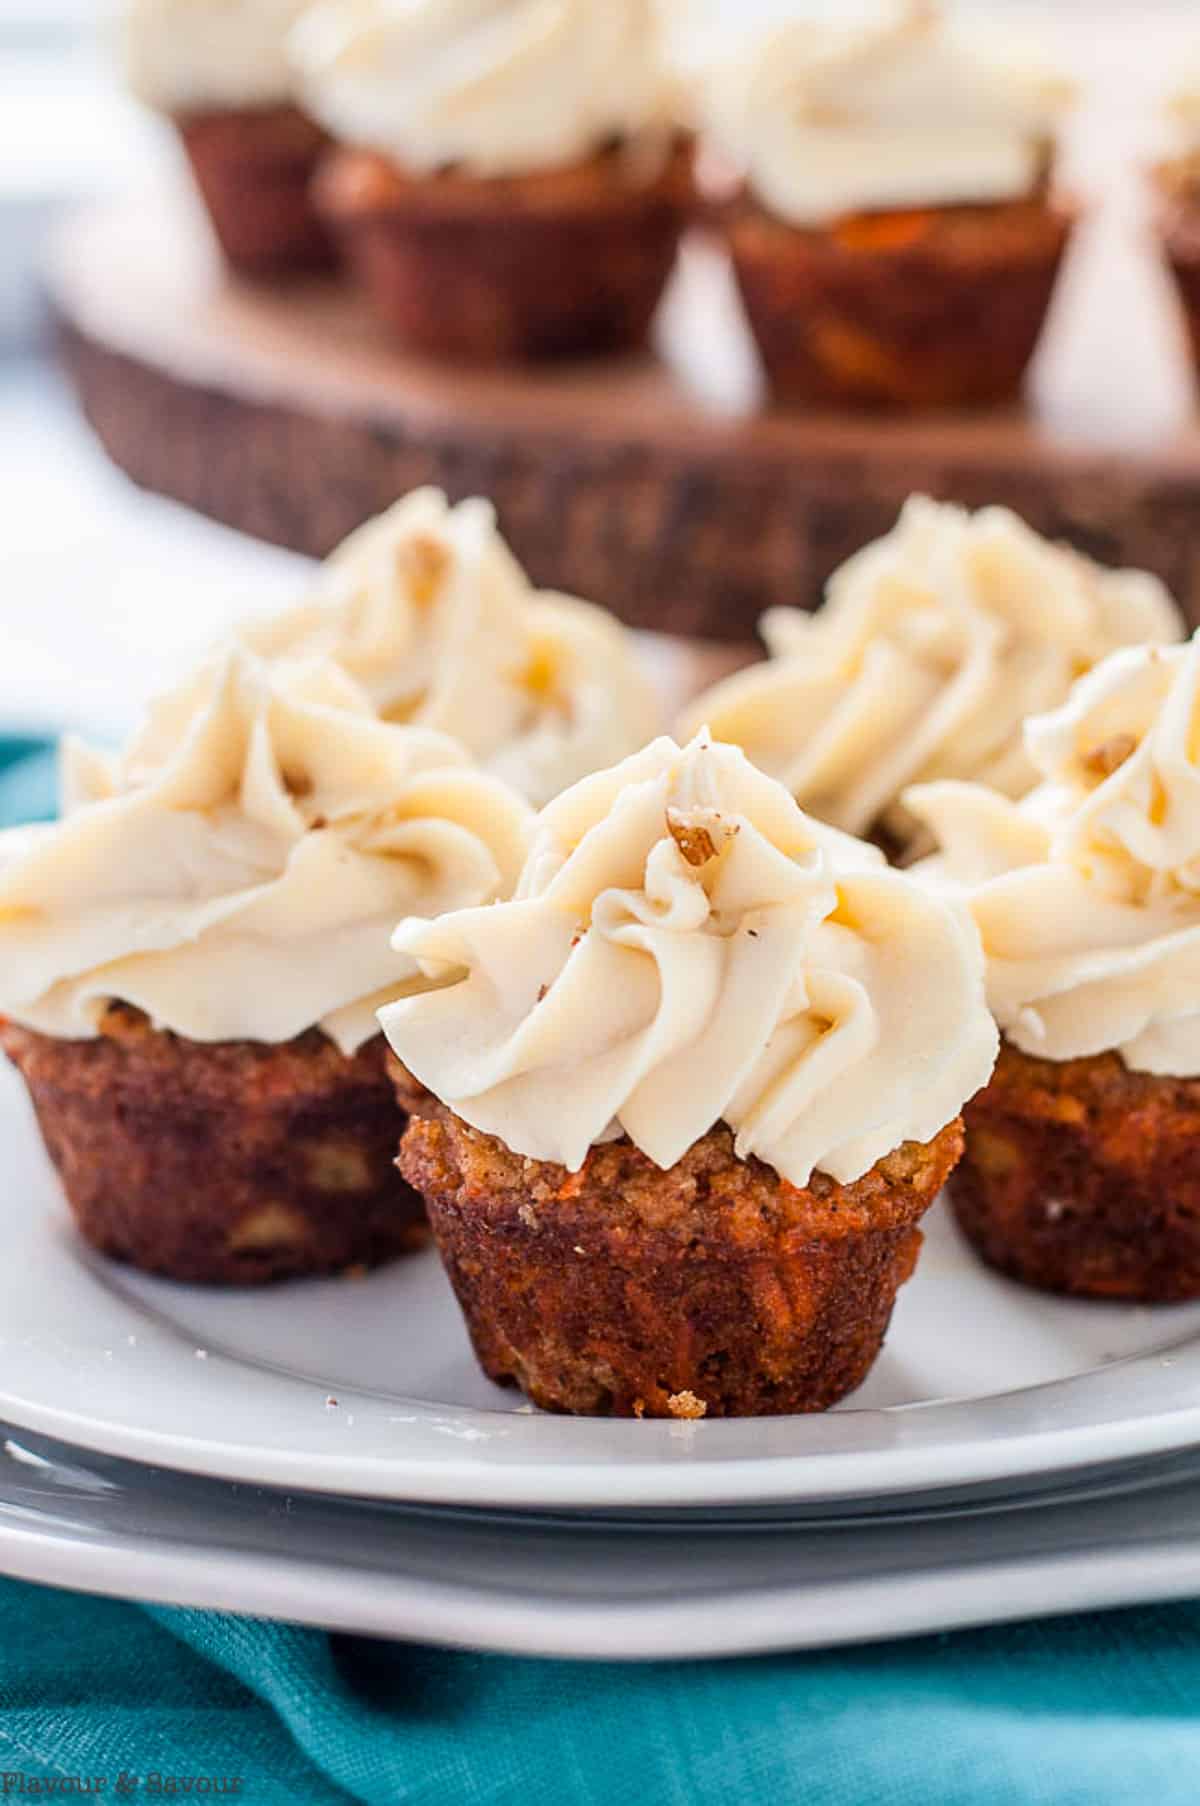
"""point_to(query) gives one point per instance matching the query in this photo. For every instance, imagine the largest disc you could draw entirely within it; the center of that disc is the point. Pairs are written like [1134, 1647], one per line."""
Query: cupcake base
[1186, 271]
[713, 1289]
[566, 263]
[231, 1163]
[1080, 1176]
[1182, 244]
[941, 308]
[255, 171]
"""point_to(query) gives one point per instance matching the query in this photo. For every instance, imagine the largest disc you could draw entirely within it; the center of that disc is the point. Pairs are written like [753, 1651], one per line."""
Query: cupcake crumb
[686, 1404]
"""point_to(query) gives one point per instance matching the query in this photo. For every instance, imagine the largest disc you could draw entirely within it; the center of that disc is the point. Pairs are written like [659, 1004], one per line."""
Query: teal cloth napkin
[1089, 1711]
[28, 781]
[1098, 1711]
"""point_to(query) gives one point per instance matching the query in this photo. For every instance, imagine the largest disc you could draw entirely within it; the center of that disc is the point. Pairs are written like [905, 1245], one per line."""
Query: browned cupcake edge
[254, 170]
[715, 1288]
[932, 309]
[231, 1163]
[568, 264]
[1082, 1177]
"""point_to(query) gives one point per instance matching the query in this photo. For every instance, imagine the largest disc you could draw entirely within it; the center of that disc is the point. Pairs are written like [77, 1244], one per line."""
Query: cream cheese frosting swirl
[428, 610]
[495, 87]
[187, 55]
[238, 872]
[1184, 111]
[932, 647]
[686, 947]
[889, 107]
[1087, 892]
[1179, 172]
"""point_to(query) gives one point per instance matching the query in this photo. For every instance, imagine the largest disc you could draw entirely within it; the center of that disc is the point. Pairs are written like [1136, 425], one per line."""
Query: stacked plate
[330, 1454]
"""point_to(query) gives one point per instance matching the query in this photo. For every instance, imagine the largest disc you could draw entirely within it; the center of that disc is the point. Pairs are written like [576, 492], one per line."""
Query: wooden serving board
[661, 486]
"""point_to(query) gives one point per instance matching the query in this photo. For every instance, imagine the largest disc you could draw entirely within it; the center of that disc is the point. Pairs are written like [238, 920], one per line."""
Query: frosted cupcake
[931, 648]
[190, 961]
[695, 1086]
[219, 70]
[1082, 1170]
[895, 242]
[510, 185]
[427, 609]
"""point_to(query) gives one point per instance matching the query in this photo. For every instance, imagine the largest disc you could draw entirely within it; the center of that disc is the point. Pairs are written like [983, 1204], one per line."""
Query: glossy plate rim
[208, 1548]
[89, 1364]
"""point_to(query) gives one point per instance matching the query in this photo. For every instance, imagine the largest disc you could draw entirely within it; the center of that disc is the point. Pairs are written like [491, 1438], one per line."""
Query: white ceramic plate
[575, 1589]
[369, 1388]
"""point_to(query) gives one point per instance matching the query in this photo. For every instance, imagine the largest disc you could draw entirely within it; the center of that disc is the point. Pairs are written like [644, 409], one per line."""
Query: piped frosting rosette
[1087, 893]
[886, 106]
[1184, 113]
[933, 645]
[193, 55]
[237, 873]
[493, 87]
[428, 610]
[686, 947]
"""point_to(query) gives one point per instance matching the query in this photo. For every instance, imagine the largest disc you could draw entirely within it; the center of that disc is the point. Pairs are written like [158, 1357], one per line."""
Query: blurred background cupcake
[219, 69]
[895, 241]
[510, 184]
[1178, 182]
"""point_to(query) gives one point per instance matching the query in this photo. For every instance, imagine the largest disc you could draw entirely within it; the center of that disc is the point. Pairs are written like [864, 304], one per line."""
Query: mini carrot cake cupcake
[932, 646]
[1082, 1169]
[219, 70]
[510, 185]
[191, 959]
[694, 1088]
[895, 243]
[428, 610]
[1178, 184]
